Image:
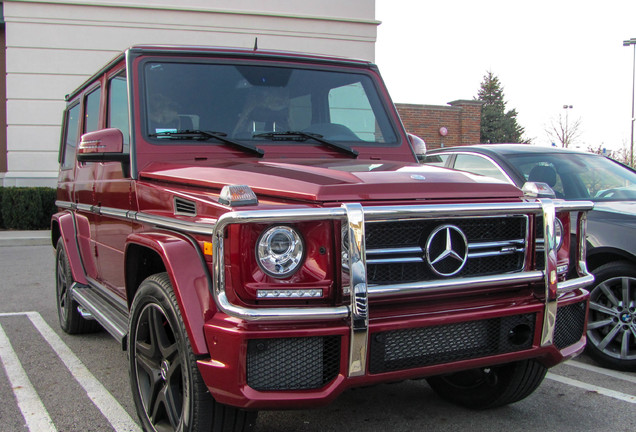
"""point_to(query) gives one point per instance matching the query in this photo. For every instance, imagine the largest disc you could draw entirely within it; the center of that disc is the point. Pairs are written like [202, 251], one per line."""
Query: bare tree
[620, 155]
[564, 131]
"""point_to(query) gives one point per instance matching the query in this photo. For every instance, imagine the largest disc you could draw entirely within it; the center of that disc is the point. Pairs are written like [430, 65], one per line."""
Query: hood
[334, 180]
[616, 207]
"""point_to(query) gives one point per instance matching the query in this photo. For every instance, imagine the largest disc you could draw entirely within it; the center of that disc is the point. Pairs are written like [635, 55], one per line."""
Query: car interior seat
[544, 174]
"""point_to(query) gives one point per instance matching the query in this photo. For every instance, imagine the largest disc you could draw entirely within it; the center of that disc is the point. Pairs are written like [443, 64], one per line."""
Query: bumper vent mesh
[292, 363]
[411, 348]
[570, 324]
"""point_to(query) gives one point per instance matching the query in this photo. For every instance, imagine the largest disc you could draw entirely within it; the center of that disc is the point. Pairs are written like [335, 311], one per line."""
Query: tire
[71, 321]
[611, 327]
[167, 388]
[491, 387]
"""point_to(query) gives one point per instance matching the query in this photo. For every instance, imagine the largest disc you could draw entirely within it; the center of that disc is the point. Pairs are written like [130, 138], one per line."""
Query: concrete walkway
[25, 238]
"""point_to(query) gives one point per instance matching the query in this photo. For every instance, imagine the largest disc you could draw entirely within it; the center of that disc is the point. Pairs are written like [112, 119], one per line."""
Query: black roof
[506, 149]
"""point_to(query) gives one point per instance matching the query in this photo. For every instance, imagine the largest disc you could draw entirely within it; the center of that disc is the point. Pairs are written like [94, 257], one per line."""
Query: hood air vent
[184, 207]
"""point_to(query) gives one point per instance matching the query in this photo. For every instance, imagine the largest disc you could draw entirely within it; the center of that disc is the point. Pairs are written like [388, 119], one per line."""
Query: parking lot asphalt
[51, 381]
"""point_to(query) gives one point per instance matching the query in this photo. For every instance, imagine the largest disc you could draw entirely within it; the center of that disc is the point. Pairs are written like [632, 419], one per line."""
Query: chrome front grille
[396, 251]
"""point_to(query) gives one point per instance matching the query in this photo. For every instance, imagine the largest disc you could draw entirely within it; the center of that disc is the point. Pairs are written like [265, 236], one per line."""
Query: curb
[25, 238]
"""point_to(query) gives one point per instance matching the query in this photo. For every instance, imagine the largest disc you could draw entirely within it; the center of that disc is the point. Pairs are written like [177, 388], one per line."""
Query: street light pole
[629, 42]
[566, 135]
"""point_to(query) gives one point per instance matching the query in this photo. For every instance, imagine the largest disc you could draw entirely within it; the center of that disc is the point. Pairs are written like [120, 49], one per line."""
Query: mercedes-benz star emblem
[446, 250]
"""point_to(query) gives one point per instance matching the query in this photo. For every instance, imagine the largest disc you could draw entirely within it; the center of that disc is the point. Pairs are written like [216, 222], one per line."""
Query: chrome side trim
[135, 216]
[357, 272]
[172, 223]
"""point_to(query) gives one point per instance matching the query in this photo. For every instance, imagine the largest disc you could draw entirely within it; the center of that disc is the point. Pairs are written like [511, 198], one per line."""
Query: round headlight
[279, 251]
[558, 234]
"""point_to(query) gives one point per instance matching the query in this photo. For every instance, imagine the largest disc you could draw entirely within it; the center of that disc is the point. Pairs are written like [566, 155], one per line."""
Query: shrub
[24, 208]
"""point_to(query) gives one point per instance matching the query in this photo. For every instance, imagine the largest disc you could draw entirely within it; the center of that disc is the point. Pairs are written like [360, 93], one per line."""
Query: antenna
[255, 44]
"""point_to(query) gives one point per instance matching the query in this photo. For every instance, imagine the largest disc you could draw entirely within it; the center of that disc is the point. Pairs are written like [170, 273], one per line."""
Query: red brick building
[443, 126]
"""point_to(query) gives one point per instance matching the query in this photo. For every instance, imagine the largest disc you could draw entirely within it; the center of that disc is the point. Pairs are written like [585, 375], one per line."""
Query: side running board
[110, 316]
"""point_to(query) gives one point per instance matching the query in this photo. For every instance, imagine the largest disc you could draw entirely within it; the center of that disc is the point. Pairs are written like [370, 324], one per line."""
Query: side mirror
[418, 145]
[105, 145]
[537, 190]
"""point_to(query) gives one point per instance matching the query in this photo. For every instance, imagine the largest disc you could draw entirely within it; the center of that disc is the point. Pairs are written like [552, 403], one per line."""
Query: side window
[436, 159]
[91, 111]
[71, 125]
[349, 106]
[118, 105]
[479, 165]
[300, 115]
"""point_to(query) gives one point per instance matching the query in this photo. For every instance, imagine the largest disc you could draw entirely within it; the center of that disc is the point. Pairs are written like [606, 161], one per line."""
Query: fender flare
[190, 278]
[63, 225]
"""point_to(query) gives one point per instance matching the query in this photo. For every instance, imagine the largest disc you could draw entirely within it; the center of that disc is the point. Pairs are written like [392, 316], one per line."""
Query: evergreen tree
[497, 125]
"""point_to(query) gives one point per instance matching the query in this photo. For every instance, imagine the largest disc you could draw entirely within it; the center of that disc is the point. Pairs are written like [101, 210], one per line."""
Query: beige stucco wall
[53, 46]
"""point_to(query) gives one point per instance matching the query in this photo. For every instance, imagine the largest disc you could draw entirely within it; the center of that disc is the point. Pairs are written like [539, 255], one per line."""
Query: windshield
[242, 102]
[578, 176]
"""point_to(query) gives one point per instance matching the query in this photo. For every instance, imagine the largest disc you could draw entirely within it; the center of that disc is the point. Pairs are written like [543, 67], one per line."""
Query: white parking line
[590, 387]
[35, 414]
[603, 371]
[103, 400]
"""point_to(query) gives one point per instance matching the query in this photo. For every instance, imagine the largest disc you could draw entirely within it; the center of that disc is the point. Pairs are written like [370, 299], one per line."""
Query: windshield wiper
[200, 135]
[303, 136]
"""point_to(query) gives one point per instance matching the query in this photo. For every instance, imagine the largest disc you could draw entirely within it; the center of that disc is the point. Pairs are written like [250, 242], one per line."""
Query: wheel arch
[151, 253]
[63, 226]
[599, 256]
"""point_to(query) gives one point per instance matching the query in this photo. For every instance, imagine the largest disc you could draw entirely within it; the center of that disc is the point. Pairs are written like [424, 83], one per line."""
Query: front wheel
[490, 387]
[71, 321]
[167, 388]
[611, 327]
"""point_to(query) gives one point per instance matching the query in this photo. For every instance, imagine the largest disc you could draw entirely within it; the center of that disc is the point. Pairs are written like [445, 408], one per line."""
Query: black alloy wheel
[71, 321]
[168, 390]
[611, 327]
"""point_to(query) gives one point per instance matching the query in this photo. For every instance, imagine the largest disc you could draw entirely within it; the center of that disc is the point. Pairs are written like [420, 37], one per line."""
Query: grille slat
[396, 250]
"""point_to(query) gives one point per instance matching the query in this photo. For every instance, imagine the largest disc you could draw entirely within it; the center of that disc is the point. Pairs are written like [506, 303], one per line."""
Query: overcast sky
[546, 54]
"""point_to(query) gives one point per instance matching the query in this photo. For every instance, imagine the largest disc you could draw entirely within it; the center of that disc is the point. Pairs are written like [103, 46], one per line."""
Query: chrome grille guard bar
[386, 213]
[355, 287]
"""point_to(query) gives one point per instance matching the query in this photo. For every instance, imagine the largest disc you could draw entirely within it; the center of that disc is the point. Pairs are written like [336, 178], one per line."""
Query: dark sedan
[611, 249]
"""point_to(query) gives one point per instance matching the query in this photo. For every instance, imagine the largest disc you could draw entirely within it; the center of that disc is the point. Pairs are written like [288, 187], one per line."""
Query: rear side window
[479, 165]
[436, 159]
[118, 105]
[91, 111]
[71, 126]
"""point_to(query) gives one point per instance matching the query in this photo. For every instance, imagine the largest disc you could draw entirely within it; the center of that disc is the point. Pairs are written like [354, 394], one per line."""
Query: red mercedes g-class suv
[254, 228]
